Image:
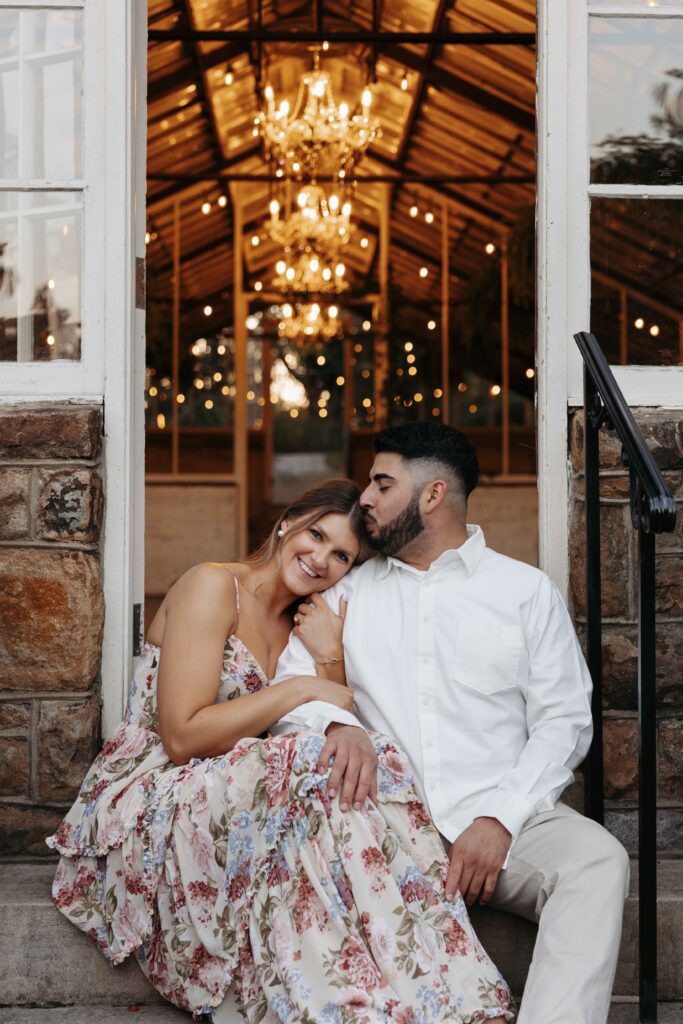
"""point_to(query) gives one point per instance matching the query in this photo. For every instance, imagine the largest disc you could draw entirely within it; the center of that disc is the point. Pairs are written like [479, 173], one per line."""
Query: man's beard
[406, 526]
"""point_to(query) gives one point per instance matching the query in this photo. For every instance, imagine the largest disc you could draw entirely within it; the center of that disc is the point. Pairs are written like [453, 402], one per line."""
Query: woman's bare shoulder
[207, 589]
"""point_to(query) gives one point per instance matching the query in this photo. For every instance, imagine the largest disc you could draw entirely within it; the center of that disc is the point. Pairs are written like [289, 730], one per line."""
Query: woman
[214, 855]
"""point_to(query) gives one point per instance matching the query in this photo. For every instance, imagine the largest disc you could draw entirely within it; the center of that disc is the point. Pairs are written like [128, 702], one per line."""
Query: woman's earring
[280, 533]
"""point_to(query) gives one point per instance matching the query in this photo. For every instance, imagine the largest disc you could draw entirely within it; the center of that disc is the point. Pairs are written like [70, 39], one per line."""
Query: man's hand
[476, 857]
[355, 761]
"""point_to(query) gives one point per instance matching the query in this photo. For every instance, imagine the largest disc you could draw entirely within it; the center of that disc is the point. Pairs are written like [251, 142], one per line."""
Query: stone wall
[663, 432]
[51, 614]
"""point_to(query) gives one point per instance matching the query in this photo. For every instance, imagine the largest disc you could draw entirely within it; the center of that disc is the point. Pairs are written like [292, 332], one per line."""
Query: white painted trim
[552, 232]
[642, 385]
[124, 114]
[636, 191]
[622, 11]
[40, 184]
[37, 5]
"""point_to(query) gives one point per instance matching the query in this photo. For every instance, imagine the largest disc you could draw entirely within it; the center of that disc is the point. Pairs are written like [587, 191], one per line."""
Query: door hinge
[140, 282]
[137, 630]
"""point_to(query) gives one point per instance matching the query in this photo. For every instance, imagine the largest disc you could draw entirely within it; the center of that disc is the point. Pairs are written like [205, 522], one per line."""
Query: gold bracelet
[328, 661]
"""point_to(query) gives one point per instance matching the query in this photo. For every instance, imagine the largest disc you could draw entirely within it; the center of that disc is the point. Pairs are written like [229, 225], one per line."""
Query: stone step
[620, 1013]
[47, 962]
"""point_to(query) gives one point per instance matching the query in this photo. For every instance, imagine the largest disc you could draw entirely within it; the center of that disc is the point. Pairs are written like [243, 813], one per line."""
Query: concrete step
[47, 962]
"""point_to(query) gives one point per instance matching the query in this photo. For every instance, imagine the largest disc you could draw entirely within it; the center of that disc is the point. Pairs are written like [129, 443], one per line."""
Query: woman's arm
[201, 613]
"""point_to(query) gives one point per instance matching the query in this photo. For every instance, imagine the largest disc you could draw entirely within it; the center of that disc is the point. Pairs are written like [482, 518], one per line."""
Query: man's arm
[558, 714]
[560, 729]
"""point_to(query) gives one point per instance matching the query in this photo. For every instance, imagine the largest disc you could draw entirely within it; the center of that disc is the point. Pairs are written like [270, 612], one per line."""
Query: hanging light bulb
[229, 76]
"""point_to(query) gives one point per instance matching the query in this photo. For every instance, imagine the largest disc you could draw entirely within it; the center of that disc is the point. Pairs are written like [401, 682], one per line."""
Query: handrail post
[647, 775]
[594, 801]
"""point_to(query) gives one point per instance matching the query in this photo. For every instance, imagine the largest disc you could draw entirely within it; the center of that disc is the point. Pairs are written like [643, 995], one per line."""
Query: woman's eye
[316, 534]
[342, 556]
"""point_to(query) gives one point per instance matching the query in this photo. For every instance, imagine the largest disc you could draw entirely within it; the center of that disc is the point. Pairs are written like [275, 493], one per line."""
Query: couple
[321, 868]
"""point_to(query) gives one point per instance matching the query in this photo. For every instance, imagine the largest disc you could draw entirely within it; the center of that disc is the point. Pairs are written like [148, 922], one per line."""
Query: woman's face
[314, 558]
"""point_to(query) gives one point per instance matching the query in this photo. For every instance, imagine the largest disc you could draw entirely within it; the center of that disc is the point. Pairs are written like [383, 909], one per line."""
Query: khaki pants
[571, 876]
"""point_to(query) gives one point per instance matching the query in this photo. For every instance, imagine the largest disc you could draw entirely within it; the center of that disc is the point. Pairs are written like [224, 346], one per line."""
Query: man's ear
[434, 495]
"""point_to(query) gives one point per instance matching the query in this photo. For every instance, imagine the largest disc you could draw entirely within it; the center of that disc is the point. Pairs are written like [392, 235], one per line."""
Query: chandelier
[317, 137]
[309, 322]
[306, 271]
[316, 220]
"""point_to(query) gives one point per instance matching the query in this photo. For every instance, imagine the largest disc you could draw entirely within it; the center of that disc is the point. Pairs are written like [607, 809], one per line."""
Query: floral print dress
[241, 868]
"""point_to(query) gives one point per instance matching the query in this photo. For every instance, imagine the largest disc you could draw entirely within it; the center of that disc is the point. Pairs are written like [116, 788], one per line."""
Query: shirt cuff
[317, 715]
[511, 810]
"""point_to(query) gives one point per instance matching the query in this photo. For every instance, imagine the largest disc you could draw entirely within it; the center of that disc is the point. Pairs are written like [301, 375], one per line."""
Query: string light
[431, 325]
[438, 392]
[654, 330]
[436, 412]
[462, 386]
[410, 358]
[404, 82]
[208, 404]
[222, 201]
[258, 285]
[530, 373]
[418, 396]
[424, 272]
[229, 77]
[148, 237]
[208, 310]
[367, 402]
[50, 340]
[408, 346]
[320, 360]
[364, 243]
[414, 211]
[340, 381]
[152, 391]
[322, 413]
[429, 217]
[490, 248]
[206, 208]
[495, 390]
[412, 370]
[639, 323]
[161, 421]
[473, 408]
[367, 325]
[180, 398]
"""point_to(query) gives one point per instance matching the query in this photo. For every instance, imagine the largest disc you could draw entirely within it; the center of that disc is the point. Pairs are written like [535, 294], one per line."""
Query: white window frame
[111, 370]
[564, 271]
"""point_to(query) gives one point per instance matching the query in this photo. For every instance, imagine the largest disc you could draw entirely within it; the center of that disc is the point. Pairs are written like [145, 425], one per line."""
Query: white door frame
[563, 284]
[125, 113]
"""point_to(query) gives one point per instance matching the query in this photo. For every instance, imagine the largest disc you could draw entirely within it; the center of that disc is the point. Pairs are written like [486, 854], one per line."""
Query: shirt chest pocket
[487, 659]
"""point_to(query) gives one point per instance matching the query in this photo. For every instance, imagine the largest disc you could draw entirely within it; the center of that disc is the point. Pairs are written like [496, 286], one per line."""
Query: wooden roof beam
[420, 92]
[453, 83]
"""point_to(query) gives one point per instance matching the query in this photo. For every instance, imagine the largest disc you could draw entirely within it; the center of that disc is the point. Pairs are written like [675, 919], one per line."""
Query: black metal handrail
[653, 510]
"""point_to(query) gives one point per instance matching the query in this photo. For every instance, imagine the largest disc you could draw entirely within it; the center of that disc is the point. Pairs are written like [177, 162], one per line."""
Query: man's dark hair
[434, 442]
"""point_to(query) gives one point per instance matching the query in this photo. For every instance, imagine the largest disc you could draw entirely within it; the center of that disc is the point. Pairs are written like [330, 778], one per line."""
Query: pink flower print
[418, 891]
[253, 682]
[376, 866]
[302, 910]
[203, 853]
[425, 949]
[281, 939]
[127, 925]
[394, 763]
[382, 942]
[349, 995]
[457, 941]
[358, 966]
[278, 771]
[418, 815]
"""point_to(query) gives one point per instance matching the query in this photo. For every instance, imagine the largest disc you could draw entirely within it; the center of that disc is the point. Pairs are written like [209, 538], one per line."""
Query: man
[470, 661]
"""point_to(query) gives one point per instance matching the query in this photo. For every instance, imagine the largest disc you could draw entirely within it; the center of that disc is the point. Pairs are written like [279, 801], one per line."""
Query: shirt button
[425, 618]
[427, 701]
[425, 659]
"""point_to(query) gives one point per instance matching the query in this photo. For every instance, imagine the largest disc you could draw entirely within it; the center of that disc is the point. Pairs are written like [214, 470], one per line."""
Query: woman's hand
[319, 629]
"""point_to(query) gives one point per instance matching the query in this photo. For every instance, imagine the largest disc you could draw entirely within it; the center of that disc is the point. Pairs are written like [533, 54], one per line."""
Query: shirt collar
[468, 553]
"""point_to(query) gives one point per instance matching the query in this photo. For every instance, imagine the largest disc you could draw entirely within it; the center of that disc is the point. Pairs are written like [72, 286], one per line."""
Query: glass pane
[636, 100]
[637, 280]
[641, 5]
[41, 92]
[40, 275]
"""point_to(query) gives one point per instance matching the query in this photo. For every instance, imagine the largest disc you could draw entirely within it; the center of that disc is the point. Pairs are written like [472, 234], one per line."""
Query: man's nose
[366, 498]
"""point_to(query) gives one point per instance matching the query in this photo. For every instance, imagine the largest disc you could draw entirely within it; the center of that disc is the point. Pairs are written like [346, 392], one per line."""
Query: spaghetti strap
[237, 599]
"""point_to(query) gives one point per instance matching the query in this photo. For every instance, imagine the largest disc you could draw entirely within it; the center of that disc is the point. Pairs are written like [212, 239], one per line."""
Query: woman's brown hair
[331, 497]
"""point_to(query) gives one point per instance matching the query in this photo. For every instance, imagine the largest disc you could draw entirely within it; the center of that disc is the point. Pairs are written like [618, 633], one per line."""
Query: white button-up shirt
[474, 668]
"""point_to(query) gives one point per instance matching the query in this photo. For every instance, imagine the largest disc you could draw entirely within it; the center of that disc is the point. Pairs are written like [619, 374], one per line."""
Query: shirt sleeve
[295, 660]
[558, 714]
